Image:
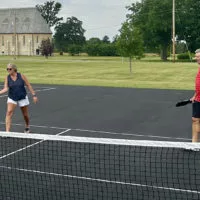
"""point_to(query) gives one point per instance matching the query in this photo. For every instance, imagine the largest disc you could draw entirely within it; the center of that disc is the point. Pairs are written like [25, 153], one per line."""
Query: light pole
[14, 34]
[173, 30]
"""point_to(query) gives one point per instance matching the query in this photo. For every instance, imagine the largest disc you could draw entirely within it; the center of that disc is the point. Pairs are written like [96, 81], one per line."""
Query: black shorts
[196, 109]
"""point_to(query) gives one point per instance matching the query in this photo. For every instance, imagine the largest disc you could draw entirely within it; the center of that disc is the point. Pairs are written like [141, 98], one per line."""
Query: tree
[154, 19]
[75, 49]
[188, 26]
[92, 46]
[69, 33]
[107, 50]
[130, 43]
[46, 48]
[97, 47]
[106, 39]
[115, 39]
[94, 40]
[49, 11]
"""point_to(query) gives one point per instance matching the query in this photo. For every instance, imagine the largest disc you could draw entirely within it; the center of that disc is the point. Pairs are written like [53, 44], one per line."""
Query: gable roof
[27, 20]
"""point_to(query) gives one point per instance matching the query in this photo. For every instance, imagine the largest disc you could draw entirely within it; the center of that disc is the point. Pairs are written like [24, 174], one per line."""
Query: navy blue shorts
[196, 109]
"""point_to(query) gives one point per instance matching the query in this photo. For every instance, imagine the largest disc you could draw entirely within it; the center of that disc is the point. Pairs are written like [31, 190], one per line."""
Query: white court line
[42, 87]
[64, 132]
[47, 89]
[34, 86]
[37, 126]
[29, 146]
[103, 180]
[41, 90]
[14, 152]
[106, 132]
[129, 134]
[3, 96]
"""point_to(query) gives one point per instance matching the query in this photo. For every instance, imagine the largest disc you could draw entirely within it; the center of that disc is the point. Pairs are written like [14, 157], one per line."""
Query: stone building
[21, 31]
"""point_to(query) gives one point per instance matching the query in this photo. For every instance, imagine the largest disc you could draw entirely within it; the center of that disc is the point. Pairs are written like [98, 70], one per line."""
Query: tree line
[154, 20]
[148, 28]
[69, 34]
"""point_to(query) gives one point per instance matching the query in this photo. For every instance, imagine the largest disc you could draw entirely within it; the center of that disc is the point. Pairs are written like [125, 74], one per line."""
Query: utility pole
[14, 33]
[173, 30]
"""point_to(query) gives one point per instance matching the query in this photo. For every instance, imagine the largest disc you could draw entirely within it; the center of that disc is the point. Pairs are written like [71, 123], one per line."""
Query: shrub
[184, 56]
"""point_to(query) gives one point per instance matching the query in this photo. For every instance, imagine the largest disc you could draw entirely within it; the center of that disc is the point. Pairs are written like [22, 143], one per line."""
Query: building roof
[22, 20]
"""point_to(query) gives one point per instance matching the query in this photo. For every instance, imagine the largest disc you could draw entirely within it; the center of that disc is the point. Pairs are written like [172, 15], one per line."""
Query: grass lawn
[103, 71]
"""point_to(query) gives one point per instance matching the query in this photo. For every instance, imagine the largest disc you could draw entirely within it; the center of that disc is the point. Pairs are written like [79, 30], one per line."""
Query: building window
[37, 39]
[5, 24]
[2, 40]
[27, 23]
[24, 40]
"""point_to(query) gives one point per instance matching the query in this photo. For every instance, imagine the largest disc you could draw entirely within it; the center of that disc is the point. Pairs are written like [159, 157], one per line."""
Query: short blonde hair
[197, 51]
[13, 66]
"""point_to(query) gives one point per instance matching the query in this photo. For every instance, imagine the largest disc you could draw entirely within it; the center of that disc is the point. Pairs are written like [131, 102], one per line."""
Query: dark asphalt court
[119, 110]
[60, 170]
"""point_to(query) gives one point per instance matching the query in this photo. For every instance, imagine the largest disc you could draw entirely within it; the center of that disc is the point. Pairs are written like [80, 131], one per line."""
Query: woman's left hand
[35, 99]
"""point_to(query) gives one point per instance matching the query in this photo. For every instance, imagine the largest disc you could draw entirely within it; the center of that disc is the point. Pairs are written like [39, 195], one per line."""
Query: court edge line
[47, 89]
[35, 86]
[64, 131]
[29, 146]
[102, 180]
[106, 132]
[129, 134]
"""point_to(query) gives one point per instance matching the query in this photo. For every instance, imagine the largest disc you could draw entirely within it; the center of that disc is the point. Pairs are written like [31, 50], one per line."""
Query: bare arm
[5, 89]
[28, 85]
[35, 99]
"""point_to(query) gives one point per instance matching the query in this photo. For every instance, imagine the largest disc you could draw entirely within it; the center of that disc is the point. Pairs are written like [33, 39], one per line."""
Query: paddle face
[183, 103]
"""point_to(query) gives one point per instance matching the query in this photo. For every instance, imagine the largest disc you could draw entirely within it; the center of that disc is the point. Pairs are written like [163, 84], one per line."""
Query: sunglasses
[9, 69]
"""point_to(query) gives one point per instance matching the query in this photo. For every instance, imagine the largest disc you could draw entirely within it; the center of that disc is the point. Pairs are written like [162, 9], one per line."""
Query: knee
[9, 113]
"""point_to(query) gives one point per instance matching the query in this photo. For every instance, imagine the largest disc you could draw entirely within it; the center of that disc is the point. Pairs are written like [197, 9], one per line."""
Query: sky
[99, 17]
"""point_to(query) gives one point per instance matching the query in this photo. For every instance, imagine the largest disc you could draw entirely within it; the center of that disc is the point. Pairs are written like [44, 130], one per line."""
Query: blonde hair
[13, 66]
[197, 51]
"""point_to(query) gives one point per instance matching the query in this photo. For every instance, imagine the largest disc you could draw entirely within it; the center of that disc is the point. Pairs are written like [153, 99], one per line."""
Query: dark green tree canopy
[69, 33]
[188, 23]
[97, 47]
[154, 19]
[106, 39]
[49, 11]
[94, 40]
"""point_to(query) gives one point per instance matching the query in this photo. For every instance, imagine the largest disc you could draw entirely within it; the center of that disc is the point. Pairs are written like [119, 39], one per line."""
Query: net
[37, 166]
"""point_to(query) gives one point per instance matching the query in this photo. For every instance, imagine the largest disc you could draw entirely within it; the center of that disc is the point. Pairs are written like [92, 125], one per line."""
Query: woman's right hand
[192, 99]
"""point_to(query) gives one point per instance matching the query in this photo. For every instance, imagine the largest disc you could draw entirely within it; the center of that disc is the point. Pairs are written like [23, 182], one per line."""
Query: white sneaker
[27, 130]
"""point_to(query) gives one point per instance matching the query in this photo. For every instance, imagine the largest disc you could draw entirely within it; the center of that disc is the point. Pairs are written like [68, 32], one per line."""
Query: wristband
[34, 95]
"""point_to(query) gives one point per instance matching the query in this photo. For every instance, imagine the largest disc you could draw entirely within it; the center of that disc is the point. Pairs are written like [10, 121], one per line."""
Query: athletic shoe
[27, 130]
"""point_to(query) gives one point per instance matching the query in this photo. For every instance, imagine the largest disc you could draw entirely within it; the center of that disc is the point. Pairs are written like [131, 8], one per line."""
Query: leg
[10, 110]
[23, 104]
[24, 110]
[195, 129]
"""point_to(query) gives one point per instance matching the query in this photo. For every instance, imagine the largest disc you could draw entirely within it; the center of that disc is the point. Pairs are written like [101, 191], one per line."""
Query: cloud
[100, 17]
